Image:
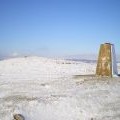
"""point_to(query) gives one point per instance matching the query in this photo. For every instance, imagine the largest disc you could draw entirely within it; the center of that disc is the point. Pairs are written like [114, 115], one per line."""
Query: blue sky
[58, 27]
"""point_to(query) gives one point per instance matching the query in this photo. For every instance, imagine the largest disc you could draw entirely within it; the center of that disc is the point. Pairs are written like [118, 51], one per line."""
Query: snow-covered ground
[46, 89]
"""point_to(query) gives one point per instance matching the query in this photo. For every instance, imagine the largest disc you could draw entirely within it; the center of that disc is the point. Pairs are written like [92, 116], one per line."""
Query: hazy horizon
[83, 57]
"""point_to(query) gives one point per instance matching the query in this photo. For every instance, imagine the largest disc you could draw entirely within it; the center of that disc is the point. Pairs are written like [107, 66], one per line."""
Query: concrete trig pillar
[107, 65]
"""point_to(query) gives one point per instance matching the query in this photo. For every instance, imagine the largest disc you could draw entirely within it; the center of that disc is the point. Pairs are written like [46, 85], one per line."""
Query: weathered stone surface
[104, 65]
[18, 117]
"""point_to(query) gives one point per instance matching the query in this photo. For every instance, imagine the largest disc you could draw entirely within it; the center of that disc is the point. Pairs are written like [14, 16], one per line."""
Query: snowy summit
[47, 89]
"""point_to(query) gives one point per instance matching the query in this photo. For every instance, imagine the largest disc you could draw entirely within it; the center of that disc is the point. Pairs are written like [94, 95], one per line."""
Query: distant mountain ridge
[86, 57]
[92, 58]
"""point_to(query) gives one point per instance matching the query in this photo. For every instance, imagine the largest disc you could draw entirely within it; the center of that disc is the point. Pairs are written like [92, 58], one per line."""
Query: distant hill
[81, 57]
[86, 57]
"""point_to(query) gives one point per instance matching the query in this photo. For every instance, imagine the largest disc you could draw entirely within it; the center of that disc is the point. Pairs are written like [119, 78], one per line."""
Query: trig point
[107, 65]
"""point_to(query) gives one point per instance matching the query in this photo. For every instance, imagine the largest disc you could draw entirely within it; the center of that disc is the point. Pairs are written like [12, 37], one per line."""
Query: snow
[46, 89]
